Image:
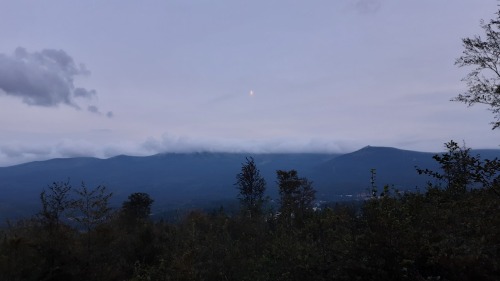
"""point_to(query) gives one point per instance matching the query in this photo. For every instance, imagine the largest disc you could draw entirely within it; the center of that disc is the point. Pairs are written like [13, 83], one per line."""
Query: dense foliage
[439, 234]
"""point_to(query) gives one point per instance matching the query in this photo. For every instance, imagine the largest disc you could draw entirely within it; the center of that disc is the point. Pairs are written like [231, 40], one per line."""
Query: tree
[457, 167]
[252, 187]
[483, 81]
[54, 235]
[92, 208]
[461, 170]
[296, 195]
[136, 239]
[55, 202]
[138, 206]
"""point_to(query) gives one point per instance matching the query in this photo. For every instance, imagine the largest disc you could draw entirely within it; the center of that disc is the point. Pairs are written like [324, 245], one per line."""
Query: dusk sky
[103, 78]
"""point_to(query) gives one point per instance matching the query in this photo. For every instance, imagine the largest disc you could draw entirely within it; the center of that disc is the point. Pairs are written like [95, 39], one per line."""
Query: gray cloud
[95, 109]
[19, 151]
[368, 6]
[172, 143]
[16, 153]
[76, 148]
[44, 78]
[81, 92]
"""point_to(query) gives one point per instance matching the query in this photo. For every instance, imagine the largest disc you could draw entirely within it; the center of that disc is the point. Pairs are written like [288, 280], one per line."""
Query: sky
[103, 78]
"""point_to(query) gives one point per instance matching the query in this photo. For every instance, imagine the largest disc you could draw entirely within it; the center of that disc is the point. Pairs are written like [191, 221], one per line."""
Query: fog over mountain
[80, 79]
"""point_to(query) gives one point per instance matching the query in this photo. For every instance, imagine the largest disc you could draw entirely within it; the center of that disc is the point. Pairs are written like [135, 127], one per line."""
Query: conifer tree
[251, 187]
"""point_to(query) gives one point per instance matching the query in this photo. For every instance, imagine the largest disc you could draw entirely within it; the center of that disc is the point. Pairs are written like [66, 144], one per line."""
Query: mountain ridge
[174, 179]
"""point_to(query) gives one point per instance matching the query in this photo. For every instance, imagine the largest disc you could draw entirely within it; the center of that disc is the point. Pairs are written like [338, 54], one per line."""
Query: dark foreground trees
[462, 171]
[296, 196]
[430, 236]
[137, 207]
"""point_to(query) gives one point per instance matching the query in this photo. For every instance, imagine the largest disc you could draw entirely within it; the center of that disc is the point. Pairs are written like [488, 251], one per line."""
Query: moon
[251, 93]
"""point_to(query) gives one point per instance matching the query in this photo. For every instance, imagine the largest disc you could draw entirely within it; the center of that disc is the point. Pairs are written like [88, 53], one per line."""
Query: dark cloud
[81, 92]
[44, 78]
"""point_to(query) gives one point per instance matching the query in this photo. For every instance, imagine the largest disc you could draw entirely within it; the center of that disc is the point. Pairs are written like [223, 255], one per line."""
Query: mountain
[179, 180]
[394, 167]
[173, 180]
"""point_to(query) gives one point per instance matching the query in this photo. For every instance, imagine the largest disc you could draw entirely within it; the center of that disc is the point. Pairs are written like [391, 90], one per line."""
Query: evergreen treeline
[449, 232]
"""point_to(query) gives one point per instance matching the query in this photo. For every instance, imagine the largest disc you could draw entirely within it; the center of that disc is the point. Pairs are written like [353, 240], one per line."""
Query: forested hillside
[449, 231]
[183, 181]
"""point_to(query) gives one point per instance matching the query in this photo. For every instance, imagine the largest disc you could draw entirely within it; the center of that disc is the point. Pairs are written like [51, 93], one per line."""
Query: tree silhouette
[55, 201]
[483, 81]
[252, 187]
[137, 207]
[92, 206]
[461, 171]
[296, 195]
[91, 209]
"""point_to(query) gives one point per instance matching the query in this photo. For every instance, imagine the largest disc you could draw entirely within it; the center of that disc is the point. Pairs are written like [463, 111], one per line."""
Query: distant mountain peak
[377, 148]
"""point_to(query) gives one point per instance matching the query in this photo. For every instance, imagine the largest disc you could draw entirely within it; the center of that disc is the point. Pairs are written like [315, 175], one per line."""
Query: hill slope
[177, 180]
